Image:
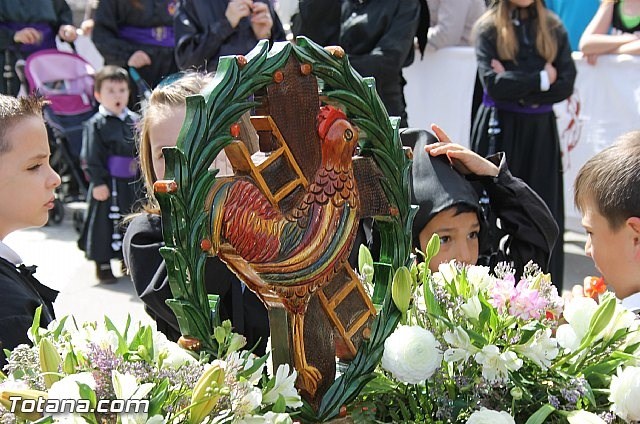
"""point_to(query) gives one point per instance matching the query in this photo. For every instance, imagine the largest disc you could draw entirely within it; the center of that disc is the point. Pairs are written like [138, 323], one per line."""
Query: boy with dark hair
[27, 185]
[607, 194]
[109, 156]
[450, 207]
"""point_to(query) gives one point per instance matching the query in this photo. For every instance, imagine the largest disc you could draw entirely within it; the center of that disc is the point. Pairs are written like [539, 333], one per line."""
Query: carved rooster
[290, 257]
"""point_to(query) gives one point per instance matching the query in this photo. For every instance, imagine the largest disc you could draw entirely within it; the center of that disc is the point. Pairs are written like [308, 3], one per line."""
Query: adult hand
[552, 72]
[464, 160]
[238, 9]
[261, 21]
[497, 66]
[592, 59]
[68, 33]
[28, 36]
[101, 192]
[139, 59]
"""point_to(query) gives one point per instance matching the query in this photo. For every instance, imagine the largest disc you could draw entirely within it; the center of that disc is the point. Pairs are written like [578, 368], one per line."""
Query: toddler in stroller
[66, 81]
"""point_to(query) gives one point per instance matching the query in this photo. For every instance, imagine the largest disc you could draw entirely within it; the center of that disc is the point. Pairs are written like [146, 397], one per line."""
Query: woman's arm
[596, 39]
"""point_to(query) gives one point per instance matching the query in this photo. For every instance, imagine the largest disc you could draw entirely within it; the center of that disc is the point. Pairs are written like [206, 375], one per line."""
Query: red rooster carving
[292, 256]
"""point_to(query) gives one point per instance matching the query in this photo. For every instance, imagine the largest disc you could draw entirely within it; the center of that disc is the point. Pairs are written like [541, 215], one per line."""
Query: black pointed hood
[436, 185]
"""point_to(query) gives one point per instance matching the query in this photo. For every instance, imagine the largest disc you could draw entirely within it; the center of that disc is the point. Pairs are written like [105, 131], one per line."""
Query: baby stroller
[66, 80]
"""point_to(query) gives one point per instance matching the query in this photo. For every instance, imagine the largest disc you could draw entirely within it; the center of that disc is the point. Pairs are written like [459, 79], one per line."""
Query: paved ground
[62, 266]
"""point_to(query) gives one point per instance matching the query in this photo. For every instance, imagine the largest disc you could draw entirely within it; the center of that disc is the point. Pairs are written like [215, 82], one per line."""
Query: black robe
[113, 14]
[104, 136]
[376, 34]
[527, 223]
[20, 295]
[55, 13]
[203, 33]
[530, 141]
[148, 271]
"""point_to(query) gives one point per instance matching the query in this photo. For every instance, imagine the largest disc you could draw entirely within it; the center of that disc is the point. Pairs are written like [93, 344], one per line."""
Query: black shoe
[104, 274]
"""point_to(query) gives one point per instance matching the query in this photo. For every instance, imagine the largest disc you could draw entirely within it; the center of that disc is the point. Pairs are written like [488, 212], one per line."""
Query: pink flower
[526, 303]
[502, 292]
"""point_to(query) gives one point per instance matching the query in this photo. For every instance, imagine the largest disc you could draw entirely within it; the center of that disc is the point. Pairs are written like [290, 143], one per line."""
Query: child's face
[27, 181]
[164, 133]
[458, 237]
[616, 253]
[113, 95]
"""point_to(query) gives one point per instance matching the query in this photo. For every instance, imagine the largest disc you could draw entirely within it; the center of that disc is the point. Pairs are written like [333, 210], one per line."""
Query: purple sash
[161, 36]
[48, 37]
[122, 166]
[515, 107]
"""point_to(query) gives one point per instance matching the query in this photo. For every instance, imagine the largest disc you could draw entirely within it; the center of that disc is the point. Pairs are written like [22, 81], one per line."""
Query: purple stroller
[66, 80]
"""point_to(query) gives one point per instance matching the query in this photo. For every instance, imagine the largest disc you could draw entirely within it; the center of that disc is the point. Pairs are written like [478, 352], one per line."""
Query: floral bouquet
[97, 373]
[480, 348]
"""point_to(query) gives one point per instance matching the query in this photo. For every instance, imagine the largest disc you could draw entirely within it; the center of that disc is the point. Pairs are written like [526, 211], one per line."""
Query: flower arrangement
[93, 369]
[480, 348]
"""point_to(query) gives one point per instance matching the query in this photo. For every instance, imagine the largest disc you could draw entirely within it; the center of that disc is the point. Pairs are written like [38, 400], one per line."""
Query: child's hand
[497, 66]
[552, 72]
[28, 36]
[68, 33]
[238, 9]
[463, 159]
[101, 192]
[261, 21]
[139, 59]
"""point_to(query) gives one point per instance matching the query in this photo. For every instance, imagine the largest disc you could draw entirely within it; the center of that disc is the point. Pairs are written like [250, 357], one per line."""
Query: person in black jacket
[27, 185]
[137, 34]
[377, 35]
[525, 66]
[143, 238]
[449, 206]
[27, 27]
[208, 29]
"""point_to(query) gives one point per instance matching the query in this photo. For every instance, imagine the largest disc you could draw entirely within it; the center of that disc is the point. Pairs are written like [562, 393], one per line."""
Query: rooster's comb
[327, 116]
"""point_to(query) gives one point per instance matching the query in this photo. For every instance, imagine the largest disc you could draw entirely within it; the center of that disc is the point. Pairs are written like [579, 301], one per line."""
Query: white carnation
[488, 416]
[625, 393]
[411, 354]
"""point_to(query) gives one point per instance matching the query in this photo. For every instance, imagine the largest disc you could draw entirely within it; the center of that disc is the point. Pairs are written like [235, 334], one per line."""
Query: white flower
[496, 366]
[156, 419]
[172, 355]
[284, 386]
[625, 393]
[461, 349]
[622, 319]
[245, 399]
[472, 308]
[411, 354]
[488, 416]
[267, 418]
[68, 388]
[479, 278]
[125, 386]
[578, 313]
[99, 336]
[541, 348]
[236, 363]
[584, 417]
[448, 271]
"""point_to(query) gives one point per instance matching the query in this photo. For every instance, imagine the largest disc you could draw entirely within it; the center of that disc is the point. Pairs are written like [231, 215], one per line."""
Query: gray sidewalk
[62, 266]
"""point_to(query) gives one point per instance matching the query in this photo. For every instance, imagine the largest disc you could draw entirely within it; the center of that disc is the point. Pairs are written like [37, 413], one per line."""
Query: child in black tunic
[109, 154]
[27, 184]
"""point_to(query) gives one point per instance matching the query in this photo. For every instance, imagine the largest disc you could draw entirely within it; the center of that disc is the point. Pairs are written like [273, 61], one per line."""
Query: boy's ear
[96, 94]
[633, 224]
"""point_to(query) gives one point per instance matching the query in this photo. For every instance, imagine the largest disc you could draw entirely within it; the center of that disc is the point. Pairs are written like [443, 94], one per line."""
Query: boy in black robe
[450, 207]
[27, 185]
[109, 154]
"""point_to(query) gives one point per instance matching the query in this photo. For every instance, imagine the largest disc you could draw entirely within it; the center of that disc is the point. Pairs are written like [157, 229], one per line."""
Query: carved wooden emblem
[286, 221]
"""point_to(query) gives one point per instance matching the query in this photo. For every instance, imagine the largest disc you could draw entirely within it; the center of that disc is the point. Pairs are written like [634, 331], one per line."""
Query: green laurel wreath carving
[204, 134]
